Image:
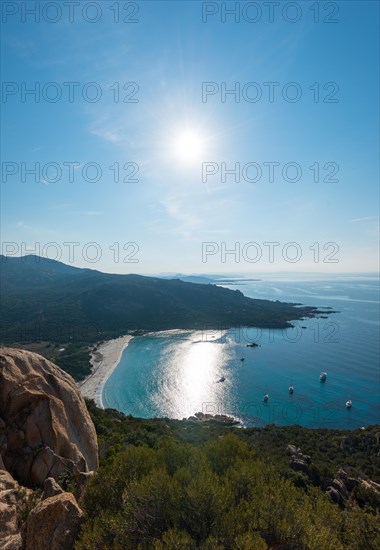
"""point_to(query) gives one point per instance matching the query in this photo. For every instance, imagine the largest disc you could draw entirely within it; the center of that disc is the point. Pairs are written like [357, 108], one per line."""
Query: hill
[193, 484]
[60, 310]
[46, 300]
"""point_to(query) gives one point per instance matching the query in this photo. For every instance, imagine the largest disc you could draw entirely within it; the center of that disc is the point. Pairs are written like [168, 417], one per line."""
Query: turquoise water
[177, 373]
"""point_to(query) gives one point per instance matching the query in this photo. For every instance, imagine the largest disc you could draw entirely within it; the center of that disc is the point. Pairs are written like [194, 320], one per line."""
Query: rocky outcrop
[45, 429]
[370, 485]
[337, 491]
[298, 462]
[217, 418]
[11, 498]
[335, 496]
[51, 488]
[296, 453]
[341, 487]
[46, 434]
[54, 523]
[292, 450]
[299, 465]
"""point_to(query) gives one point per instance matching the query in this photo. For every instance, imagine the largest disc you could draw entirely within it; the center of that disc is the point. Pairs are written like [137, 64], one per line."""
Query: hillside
[45, 300]
[193, 484]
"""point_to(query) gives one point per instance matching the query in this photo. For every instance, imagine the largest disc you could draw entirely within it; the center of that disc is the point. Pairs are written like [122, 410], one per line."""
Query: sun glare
[188, 146]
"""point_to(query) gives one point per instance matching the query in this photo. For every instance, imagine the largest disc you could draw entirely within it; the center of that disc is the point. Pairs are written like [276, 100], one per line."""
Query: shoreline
[104, 360]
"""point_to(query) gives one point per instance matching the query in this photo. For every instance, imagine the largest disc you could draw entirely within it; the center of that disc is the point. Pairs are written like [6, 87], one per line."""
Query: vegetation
[194, 484]
[47, 301]
[72, 357]
[75, 360]
[26, 501]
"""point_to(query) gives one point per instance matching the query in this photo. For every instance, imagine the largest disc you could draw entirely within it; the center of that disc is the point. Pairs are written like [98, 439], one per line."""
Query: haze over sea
[177, 373]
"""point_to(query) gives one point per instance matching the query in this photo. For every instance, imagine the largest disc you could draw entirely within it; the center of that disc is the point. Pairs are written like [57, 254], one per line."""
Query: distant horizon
[199, 273]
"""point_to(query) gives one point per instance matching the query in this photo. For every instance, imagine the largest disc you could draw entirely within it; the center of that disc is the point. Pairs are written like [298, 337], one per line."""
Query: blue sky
[173, 209]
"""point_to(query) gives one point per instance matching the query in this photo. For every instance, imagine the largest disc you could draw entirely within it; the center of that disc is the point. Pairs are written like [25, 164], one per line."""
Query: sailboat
[291, 387]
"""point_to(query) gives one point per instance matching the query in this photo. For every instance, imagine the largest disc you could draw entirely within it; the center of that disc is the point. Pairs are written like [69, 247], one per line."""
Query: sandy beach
[104, 359]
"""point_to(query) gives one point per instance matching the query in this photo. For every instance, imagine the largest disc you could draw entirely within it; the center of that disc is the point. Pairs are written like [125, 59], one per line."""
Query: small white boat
[291, 390]
[266, 397]
[322, 376]
[349, 404]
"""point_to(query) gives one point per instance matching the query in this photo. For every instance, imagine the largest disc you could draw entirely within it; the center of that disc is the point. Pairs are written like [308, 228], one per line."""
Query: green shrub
[217, 495]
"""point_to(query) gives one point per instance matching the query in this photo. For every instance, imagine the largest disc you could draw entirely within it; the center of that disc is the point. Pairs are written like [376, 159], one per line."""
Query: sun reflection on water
[191, 378]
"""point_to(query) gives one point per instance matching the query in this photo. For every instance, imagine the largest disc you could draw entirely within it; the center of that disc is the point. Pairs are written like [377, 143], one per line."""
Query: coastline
[104, 359]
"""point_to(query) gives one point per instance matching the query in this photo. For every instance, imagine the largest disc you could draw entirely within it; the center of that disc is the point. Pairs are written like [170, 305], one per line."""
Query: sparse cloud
[107, 133]
[366, 219]
[187, 221]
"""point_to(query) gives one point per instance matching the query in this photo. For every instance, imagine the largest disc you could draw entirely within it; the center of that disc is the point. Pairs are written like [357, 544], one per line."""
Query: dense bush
[357, 451]
[216, 495]
[75, 360]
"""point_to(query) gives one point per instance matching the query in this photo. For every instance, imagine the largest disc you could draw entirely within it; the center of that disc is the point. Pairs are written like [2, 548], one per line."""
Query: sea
[178, 373]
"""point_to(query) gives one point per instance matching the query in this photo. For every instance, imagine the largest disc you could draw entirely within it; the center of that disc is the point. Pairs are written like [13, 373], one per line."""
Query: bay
[178, 373]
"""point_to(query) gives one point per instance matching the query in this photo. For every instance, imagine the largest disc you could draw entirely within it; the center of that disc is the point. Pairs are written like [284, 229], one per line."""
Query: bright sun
[188, 146]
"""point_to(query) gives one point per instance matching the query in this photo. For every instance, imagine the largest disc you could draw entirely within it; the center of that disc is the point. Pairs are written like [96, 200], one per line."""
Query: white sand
[104, 359]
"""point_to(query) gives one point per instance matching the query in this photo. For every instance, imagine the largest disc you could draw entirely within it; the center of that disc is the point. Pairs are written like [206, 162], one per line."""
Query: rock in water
[54, 524]
[45, 428]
